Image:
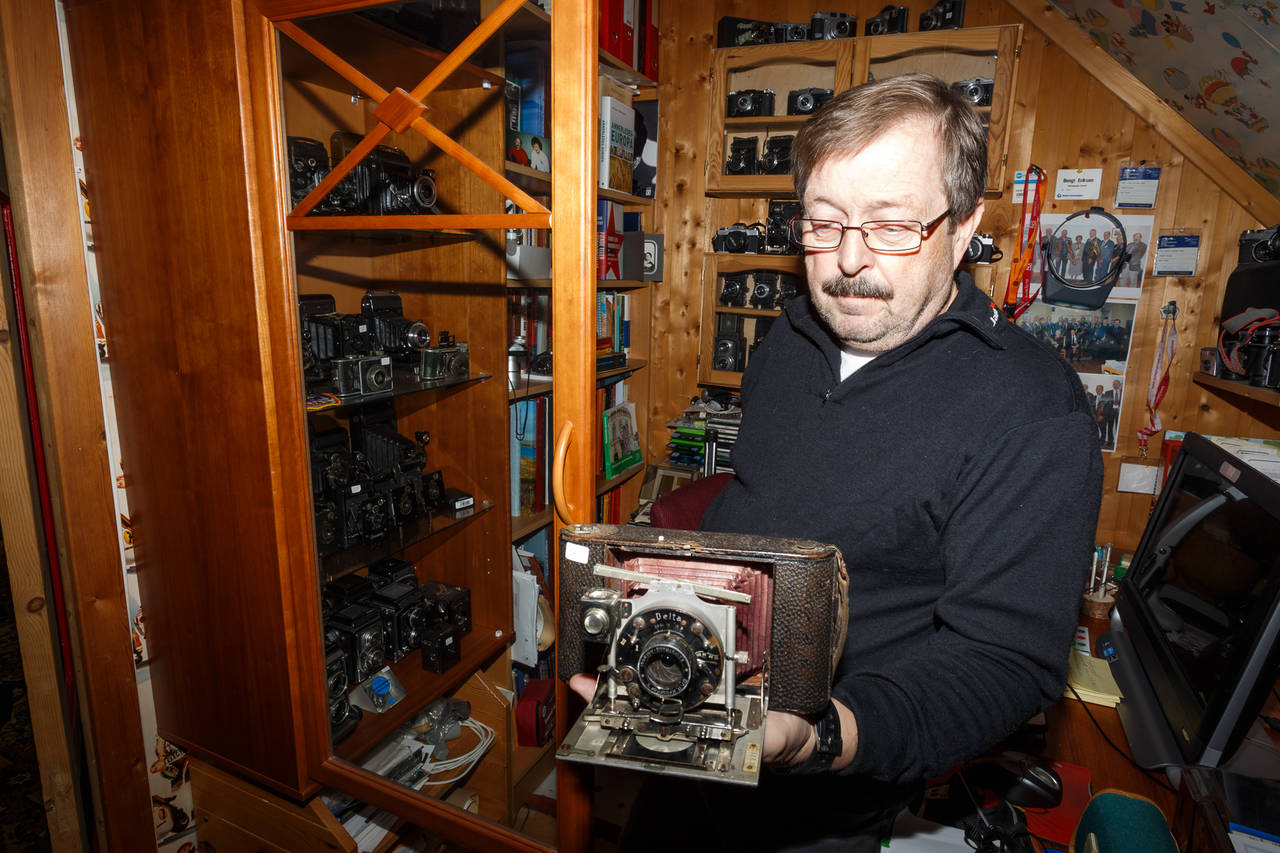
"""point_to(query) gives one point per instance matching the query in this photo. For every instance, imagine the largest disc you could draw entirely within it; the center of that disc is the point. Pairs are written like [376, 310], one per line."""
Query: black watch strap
[829, 746]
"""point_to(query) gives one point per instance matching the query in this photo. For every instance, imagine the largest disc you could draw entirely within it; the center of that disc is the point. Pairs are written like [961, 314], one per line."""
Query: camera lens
[876, 27]
[842, 28]
[666, 665]
[416, 336]
[424, 191]
[804, 103]
[743, 104]
[974, 252]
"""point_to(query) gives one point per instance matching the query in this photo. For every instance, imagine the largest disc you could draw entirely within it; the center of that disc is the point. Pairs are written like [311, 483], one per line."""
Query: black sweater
[960, 476]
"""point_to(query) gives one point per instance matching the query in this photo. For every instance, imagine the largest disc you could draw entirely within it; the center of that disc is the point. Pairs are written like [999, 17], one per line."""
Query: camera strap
[1018, 296]
[1158, 384]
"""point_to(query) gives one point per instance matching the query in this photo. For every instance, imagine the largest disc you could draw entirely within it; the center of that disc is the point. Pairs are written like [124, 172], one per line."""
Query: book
[1092, 679]
[617, 139]
[608, 240]
[622, 439]
[644, 153]
[529, 66]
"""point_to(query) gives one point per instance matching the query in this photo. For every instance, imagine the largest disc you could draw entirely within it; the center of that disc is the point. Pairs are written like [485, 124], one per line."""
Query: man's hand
[788, 739]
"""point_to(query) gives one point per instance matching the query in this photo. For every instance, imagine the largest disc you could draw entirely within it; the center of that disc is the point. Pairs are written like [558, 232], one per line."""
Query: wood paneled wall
[1064, 117]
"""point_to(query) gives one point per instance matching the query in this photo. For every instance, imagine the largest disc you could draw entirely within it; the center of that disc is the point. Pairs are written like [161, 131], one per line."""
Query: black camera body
[343, 716]
[391, 570]
[891, 19]
[777, 227]
[944, 15]
[450, 358]
[803, 102]
[383, 183]
[729, 349]
[742, 159]
[308, 166]
[775, 159]
[733, 290]
[982, 249]
[441, 647]
[1260, 246]
[976, 90]
[738, 239]
[346, 591]
[784, 31]
[832, 25]
[404, 617]
[334, 471]
[749, 103]
[362, 376]
[396, 334]
[448, 603]
[764, 290]
[736, 32]
[358, 633]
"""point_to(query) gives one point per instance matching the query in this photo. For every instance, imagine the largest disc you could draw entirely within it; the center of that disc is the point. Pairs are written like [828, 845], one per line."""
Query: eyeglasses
[885, 236]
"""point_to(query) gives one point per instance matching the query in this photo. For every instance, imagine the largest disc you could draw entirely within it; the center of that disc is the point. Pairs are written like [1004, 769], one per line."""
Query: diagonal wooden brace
[399, 110]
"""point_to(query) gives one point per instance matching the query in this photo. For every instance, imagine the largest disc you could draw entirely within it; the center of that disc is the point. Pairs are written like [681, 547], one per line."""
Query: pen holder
[1097, 604]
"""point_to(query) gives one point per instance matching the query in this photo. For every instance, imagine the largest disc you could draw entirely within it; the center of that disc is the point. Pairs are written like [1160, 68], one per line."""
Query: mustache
[842, 286]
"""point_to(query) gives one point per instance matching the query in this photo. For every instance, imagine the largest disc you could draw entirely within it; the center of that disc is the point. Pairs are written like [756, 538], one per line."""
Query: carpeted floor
[23, 827]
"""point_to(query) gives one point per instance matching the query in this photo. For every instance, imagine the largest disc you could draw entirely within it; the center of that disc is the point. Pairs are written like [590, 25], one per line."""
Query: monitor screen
[1201, 604]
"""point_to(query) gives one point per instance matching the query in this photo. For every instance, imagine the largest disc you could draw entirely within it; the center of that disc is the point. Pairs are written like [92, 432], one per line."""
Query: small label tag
[576, 552]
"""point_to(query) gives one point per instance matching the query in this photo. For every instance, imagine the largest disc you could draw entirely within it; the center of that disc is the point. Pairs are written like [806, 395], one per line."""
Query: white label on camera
[449, 641]
[363, 328]
[577, 552]
[355, 489]
[386, 359]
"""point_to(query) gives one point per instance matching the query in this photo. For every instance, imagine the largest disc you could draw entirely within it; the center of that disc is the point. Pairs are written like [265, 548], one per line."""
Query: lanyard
[1158, 384]
[1018, 296]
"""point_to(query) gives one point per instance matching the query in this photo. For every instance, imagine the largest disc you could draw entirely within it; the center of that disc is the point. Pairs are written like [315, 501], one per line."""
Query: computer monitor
[1196, 627]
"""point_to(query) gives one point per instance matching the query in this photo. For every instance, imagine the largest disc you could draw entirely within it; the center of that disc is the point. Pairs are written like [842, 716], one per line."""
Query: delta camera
[891, 19]
[693, 638]
[832, 25]
[749, 103]
[802, 102]
[976, 90]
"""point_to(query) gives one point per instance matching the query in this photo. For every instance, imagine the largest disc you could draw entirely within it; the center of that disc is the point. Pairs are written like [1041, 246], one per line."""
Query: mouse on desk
[1015, 777]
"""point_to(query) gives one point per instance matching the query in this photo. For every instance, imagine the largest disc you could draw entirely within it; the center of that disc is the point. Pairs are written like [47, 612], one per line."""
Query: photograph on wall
[1085, 248]
[1096, 345]
[529, 149]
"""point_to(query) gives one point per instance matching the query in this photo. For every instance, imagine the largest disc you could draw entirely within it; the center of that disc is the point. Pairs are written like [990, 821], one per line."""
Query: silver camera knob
[595, 621]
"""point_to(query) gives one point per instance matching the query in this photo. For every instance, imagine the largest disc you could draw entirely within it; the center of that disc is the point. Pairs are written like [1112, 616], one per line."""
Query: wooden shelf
[528, 178]
[603, 485]
[731, 262]
[631, 366]
[529, 388]
[1270, 396]
[775, 123]
[734, 186]
[624, 198]
[523, 525]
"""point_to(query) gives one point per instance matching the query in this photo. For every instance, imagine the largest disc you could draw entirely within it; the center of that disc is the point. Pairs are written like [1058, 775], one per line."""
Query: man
[1107, 249]
[516, 153]
[1092, 253]
[953, 459]
[1137, 252]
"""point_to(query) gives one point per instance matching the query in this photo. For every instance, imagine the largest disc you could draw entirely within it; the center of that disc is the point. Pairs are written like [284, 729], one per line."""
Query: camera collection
[772, 238]
[384, 183]
[385, 616]
[357, 356]
[736, 32]
[688, 654]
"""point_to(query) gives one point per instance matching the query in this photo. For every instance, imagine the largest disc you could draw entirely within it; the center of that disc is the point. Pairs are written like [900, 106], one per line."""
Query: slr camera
[733, 291]
[384, 182]
[976, 90]
[742, 156]
[729, 348]
[450, 358]
[784, 32]
[749, 102]
[738, 239]
[308, 166]
[776, 157]
[801, 102]
[343, 716]
[982, 250]
[944, 15]
[891, 19]
[1260, 246]
[693, 638]
[396, 334]
[777, 227]
[832, 25]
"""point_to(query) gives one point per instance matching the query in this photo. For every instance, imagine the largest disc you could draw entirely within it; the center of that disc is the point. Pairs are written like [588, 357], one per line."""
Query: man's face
[1099, 390]
[1115, 385]
[873, 302]
[1137, 238]
[1092, 233]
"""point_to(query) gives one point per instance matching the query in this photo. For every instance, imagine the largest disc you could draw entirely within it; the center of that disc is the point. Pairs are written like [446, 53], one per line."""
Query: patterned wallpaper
[1214, 61]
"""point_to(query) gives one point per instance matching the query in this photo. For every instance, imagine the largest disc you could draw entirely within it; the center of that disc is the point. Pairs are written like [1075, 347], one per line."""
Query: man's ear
[964, 233]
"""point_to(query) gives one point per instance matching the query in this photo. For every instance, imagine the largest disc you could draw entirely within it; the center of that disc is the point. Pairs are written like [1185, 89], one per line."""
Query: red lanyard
[1018, 296]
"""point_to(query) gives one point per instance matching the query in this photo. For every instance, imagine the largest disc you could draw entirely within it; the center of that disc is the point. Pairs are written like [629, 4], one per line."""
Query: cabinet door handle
[563, 507]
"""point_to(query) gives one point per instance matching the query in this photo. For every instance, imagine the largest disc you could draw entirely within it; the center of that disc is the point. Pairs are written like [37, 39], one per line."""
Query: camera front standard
[775, 159]
[750, 103]
[976, 90]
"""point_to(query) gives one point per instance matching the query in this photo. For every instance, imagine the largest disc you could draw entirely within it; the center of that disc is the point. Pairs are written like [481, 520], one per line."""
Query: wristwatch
[829, 745]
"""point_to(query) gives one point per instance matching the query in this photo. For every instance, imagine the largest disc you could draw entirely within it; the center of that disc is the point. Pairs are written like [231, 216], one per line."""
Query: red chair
[683, 508]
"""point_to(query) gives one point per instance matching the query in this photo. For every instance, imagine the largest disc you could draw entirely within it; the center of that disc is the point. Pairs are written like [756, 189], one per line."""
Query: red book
[610, 26]
[650, 68]
[540, 449]
[627, 33]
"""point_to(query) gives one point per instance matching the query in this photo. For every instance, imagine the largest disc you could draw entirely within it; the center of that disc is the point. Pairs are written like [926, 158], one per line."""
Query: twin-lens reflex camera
[693, 638]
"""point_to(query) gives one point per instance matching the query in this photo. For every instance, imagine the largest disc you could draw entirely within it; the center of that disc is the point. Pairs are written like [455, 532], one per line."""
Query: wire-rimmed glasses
[885, 236]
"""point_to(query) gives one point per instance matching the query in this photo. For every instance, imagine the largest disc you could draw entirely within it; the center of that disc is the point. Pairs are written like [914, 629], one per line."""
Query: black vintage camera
[892, 19]
[736, 32]
[738, 239]
[362, 376]
[976, 90]
[775, 159]
[340, 352]
[357, 631]
[450, 358]
[448, 603]
[777, 227]
[789, 287]
[396, 463]
[944, 15]
[733, 290]
[742, 156]
[391, 570]
[1261, 246]
[982, 250]
[346, 591]
[675, 623]
[343, 716]
[404, 617]
[333, 470]
[396, 334]
[764, 290]
[384, 182]
[832, 25]
[308, 166]
[784, 31]
[749, 102]
[729, 349]
[441, 647]
[802, 102]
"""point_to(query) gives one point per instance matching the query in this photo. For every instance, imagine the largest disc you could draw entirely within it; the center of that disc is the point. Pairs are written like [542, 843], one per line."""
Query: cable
[1127, 757]
[466, 761]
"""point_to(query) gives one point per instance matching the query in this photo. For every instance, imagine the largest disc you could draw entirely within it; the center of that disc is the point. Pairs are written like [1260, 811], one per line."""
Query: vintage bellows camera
[982, 249]
[891, 19]
[308, 166]
[383, 183]
[943, 15]
[801, 102]
[738, 238]
[742, 156]
[832, 25]
[693, 638]
[750, 102]
[777, 227]
[775, 159]
[396, 334]
[976, 90]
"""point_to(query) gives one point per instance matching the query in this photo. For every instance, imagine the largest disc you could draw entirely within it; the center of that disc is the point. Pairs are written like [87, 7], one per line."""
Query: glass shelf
[346, 561]
[402, 383]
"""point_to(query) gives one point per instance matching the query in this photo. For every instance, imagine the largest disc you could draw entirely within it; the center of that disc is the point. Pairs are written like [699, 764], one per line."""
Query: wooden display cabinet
[718, 346]
[986, 53]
